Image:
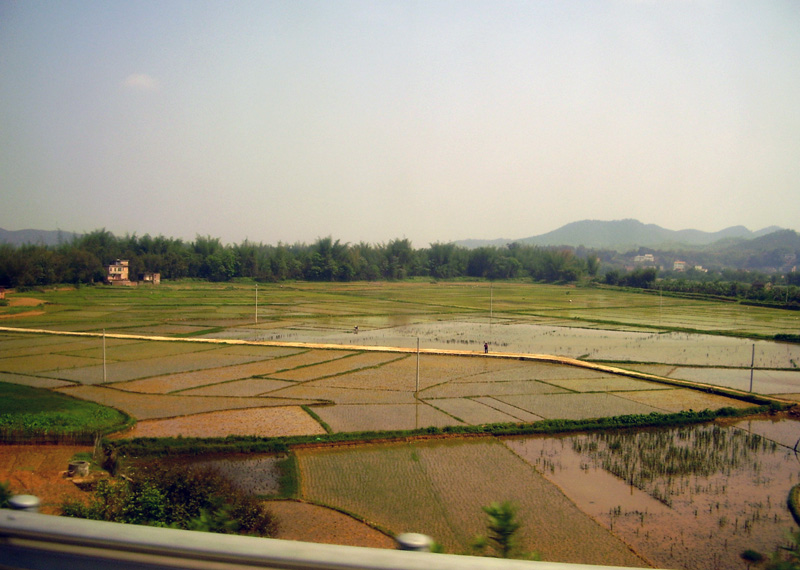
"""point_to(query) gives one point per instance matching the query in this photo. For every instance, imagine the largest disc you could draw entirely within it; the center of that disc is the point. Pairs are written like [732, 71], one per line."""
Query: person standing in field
[486, 348]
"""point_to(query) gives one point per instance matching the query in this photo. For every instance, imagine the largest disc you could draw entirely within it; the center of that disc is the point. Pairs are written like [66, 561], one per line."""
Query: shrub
[195, 499]
[5, 495]
[502, 527]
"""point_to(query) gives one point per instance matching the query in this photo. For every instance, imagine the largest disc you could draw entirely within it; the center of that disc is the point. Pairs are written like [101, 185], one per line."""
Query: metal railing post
[28, 503]
[414, 541]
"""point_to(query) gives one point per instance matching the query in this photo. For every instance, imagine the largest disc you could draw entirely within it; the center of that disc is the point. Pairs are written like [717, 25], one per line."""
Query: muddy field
[732, 499]
[438, 488]
[727, 495]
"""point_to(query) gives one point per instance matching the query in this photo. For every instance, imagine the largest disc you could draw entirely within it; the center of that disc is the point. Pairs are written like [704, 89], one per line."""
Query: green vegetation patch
[28, 413]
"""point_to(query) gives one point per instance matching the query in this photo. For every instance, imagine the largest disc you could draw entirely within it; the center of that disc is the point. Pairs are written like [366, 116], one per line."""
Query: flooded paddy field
[585, 343]
[686, 498]
[692, 497]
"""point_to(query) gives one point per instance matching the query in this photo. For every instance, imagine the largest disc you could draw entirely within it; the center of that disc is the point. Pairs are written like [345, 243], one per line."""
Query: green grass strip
[159, 447]
[317, 419]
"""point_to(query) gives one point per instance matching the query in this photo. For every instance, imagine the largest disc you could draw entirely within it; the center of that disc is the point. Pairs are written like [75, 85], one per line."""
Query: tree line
[779, 290]
[83, 260]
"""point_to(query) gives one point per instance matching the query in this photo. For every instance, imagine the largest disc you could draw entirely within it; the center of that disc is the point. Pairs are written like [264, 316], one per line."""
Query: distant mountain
[625, 235]
[36, 237]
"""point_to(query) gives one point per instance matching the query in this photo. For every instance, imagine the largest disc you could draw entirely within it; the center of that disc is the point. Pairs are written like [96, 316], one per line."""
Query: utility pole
[104, 356]
[416, 391]
[256, 302]
[491, 299]
[752, 363]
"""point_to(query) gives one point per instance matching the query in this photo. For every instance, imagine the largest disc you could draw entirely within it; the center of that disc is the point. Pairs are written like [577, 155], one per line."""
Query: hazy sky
[374, 120]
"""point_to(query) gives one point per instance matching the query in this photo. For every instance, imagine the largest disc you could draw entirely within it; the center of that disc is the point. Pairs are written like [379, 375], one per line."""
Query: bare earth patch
[24, 302]
[263, 422]
[39, 470]
[25, 314]
[312, 523]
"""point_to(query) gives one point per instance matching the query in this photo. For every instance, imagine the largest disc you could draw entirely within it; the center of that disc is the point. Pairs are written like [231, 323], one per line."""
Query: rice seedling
[439, 489]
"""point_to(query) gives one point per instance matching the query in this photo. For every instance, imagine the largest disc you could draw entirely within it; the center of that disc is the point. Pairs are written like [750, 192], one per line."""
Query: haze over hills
[36, 237]
[625, 235]
[616, 244]
[620, 235]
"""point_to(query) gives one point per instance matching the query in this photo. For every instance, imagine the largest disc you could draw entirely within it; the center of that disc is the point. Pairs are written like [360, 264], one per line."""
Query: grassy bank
[34, 415]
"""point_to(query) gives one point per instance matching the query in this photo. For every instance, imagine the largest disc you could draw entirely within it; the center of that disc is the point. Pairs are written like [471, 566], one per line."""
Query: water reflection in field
[690, 497]
[683, 349]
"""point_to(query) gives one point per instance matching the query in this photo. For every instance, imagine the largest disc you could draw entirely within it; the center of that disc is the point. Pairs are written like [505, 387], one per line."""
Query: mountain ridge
[36, 237]
[624, 235]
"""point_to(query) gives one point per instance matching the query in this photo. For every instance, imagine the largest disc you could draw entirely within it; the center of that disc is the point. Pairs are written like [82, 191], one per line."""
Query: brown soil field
[25, 314]
[199, 378]
[312, 523]
[155, 406]
[383, 417]
[39, 470]
[262, 422]
[24, 302]
[340, 366]
[679, 399]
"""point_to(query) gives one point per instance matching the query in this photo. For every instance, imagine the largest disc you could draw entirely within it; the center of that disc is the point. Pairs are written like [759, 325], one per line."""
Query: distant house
[154, 278]
[117, 272]
[646, 258]
[679, 266]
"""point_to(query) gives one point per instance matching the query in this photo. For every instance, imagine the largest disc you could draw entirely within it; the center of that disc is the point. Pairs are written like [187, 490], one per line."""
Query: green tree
[502, 528]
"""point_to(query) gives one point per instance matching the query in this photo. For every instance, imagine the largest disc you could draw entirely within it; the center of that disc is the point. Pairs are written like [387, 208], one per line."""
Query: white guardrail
[30, 540]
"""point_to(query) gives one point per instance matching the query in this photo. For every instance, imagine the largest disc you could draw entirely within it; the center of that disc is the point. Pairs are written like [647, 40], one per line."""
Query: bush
[5, 495]
[195, 499]
[501, 537]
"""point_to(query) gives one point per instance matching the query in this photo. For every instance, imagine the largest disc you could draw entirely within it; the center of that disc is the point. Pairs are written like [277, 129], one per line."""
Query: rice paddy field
[693, 497]
[193, 367]
[438, 489]
[198, 360]
[699, 497]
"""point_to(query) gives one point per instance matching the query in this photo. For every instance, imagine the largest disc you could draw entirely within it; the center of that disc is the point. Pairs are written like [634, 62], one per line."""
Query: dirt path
[39, 470]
